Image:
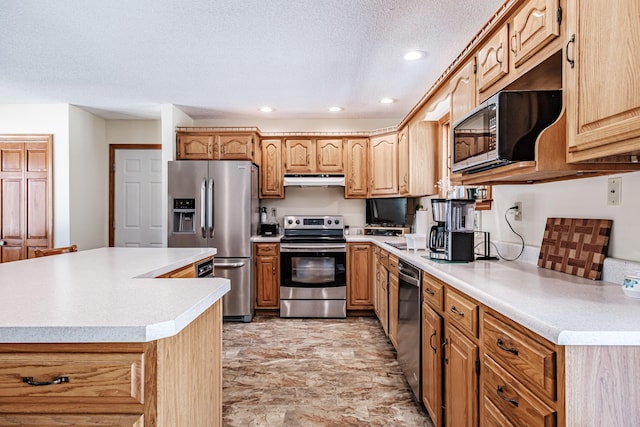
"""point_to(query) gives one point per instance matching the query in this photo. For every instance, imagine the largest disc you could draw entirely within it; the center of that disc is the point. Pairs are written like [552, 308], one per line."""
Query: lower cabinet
[432, 363]
[461, 368]
[394, 289]
[360, 294]
[382, 289]
[123, 384]
[266, 260]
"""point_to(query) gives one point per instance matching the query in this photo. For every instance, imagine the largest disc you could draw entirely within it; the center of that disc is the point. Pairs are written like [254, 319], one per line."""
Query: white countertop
[562, 308]
[103, 295]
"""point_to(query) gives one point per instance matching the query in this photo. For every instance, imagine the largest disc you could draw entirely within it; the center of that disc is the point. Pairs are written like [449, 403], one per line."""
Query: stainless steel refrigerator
[215, 204]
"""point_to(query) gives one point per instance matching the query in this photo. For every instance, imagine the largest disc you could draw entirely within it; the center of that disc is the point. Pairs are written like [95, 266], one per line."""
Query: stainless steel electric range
[313, 267]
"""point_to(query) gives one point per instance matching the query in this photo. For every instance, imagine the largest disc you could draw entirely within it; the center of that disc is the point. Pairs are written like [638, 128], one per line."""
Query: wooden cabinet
[201, 144]
[403, 161]
[519, 374]
[329, 155]
[602, 89]
[122, 384]
[359, 290]
[383, 165]
[313, 155]
[535, 24]
[356, 170]
[424, 158]
[271, 176]
[26, 190]
[493, 59]
[266, 259]
[394, 289]
[432, 363]
[461, 365]
[382, 288]
[463, 90]
[461, 311]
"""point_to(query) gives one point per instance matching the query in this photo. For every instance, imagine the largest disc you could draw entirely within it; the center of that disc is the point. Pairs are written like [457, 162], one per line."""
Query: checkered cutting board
[575, 246]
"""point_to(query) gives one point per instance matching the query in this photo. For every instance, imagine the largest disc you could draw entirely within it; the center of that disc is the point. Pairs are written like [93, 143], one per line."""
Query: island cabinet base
[174, 381]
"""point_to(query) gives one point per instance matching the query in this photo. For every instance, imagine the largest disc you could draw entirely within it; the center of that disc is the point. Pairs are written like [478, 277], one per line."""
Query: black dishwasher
[409, 324]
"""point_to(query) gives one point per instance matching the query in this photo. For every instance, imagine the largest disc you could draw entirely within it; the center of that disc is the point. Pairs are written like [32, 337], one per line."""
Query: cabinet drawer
[49, 420]
[521, 354]
[383, 258]
[512, 399]
[393, 264]
[266, 249]
[432, 292]
[461, 311]
[92, 377]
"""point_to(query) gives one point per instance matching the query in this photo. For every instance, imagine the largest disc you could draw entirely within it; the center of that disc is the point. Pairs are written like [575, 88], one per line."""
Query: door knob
[2, 243]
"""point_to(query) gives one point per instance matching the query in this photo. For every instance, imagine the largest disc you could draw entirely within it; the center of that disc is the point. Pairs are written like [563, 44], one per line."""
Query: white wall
[134, 132]
[47, 119]
[88, 180]
[305, 125]
[580, 198]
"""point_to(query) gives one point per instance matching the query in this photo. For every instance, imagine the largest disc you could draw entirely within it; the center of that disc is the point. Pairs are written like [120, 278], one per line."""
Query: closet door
[26, 211]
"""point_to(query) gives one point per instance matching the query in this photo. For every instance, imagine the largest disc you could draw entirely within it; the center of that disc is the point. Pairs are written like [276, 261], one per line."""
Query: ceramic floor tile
[314, 372]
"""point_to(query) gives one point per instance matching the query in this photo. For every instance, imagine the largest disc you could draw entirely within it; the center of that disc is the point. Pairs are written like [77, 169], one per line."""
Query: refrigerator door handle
[210, 208]
[203, 209]
[229, 264]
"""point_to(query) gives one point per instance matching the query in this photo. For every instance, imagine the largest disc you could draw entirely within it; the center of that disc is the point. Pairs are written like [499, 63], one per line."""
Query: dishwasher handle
[409, 279]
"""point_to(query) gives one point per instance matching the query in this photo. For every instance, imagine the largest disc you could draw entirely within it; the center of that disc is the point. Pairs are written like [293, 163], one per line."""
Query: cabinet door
[359, 291]
[299, 156]
[432, 363]
[49, 420]
[356, 174]
[493, 59]
[197, 147]
[382, 275]
[267, 276]
[424, 158]
[403, 161]
[329, 157]
[461, 379]
[393, 308]
[271, 185]
[602, 85]
[534, 26]
[463, 91]
[383, 165]
[236, 147]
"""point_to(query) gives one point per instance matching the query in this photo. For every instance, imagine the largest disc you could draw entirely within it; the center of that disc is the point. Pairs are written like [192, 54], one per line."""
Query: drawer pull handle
[454, 310]
[506, 399]
[429, 291]
[500, 344]
[59, 380]
[435, 350]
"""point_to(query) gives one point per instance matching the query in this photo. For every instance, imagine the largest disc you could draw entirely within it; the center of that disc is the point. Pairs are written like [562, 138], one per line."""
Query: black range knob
[297, 221]
[290, 221]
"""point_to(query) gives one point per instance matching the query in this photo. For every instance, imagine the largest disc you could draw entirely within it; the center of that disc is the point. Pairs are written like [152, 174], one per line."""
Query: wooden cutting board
[575, 246]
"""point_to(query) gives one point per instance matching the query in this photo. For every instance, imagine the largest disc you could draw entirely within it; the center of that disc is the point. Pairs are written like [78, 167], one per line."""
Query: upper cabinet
[356, 170]
[383, 165]
[313, 155]
[462, 87]
[493, 59]
[271, 176]
[403, 161]
[418, 154]
[602, 85]
[204, 144]
[533, 26]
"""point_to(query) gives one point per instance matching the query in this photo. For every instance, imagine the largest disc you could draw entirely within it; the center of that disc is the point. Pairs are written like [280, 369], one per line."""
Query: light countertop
[103, 295]
[562, 308]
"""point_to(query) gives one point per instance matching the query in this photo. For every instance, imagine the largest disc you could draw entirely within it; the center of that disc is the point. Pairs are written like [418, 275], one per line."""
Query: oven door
[309, 265]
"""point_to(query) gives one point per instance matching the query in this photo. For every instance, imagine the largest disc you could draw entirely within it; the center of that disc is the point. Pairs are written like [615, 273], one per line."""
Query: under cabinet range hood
[313, 180]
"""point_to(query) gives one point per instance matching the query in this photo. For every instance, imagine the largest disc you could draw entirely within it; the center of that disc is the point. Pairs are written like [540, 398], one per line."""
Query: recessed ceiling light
[413, 55]
[266, 109]
[387, 101]
[335, 109]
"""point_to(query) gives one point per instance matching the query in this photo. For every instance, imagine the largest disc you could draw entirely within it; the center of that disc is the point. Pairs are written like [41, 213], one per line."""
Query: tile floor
[314, 372]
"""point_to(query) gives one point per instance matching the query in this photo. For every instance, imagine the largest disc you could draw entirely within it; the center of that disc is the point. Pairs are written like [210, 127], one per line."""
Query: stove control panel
[314, 222]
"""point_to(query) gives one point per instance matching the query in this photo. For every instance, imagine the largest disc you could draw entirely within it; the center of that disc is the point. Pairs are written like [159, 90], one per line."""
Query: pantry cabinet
[266, 259]
[356, 171]
[602, 89]
[313, 156]
[359, 289]
[383, 165]
[271, 176]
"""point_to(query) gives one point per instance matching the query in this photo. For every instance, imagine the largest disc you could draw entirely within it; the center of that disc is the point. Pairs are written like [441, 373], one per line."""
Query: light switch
[614, 192]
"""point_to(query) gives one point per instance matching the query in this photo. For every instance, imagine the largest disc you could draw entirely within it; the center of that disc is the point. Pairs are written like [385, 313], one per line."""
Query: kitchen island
[95, 338]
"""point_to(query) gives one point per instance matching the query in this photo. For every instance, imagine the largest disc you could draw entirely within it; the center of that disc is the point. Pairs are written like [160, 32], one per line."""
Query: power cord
[514, 232]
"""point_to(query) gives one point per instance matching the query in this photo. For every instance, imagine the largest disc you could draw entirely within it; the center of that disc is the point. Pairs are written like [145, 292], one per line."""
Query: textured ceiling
[226, 59]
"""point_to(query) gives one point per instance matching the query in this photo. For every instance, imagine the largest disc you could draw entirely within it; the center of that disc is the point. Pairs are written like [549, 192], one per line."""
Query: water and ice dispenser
[184, 215]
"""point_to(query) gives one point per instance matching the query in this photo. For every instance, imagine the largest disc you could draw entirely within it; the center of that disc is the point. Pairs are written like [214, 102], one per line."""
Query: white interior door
[138, 198]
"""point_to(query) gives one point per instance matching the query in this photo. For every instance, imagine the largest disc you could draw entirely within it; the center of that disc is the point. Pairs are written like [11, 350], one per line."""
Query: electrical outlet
[517, 213]
[614, 192]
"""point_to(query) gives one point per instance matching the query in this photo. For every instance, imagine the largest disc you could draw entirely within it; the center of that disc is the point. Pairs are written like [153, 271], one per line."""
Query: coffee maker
[452, 238]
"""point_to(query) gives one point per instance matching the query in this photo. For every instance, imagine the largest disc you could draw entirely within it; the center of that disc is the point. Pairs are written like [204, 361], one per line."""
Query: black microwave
[503, 129]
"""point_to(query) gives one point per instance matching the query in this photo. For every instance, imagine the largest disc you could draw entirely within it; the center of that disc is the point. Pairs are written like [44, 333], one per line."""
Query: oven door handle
[313, 248]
